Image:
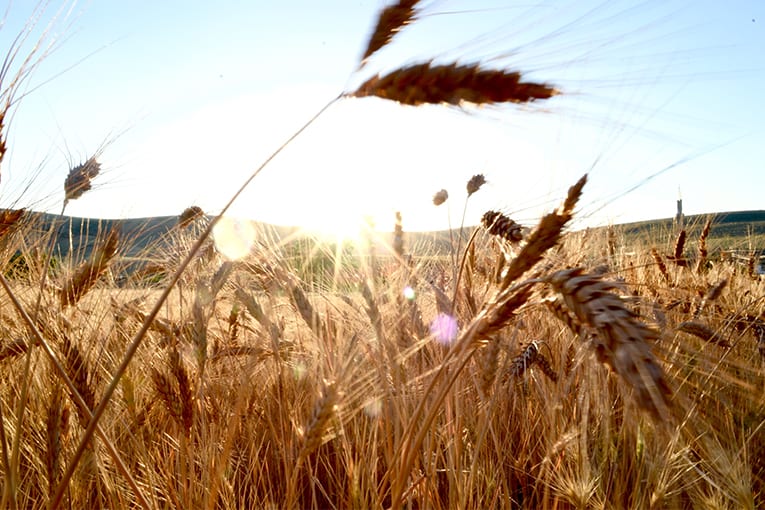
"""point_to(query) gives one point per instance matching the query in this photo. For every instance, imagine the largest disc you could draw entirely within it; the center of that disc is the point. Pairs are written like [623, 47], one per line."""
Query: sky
[182, 101]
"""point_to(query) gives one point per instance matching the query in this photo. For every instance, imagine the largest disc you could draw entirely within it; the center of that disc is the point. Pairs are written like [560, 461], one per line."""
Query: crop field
[190, 362]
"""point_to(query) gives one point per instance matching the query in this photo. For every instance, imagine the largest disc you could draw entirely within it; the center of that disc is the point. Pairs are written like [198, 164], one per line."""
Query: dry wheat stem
[78, 400]
[138, 338]
[9, 488]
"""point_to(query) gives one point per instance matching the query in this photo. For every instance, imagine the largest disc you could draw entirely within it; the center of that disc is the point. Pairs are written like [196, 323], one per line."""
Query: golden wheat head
[621, 340]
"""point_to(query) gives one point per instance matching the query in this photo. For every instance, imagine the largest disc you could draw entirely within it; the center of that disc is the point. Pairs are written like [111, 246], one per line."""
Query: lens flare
[409, 293]
[234, 238]
[444, 329]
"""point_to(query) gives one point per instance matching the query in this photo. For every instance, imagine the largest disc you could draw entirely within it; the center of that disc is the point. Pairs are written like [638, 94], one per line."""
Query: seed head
[79, 179]
[440, 197]
[189, 216]
[475, 183]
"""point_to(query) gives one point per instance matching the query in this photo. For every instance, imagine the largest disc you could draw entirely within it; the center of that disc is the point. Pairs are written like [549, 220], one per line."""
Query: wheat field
[521, 366]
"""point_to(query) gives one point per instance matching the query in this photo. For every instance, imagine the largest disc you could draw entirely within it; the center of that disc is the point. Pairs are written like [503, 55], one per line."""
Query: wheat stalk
[398, 237]
[452, 84]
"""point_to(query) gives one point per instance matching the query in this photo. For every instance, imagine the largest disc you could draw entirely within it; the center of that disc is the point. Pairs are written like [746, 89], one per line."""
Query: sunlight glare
[233, 237]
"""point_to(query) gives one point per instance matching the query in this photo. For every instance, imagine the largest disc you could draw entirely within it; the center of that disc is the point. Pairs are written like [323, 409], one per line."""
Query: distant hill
[140, 235]
[742, 231]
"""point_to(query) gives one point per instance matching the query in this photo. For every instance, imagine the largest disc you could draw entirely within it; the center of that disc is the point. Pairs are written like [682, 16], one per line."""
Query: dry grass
[556, 374]
[277, 395]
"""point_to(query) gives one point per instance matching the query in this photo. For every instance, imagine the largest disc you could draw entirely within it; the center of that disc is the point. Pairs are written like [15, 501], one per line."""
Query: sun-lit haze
[186, 99]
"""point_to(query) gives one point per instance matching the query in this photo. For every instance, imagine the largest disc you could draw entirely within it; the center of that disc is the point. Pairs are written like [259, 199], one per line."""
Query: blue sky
[187, 98]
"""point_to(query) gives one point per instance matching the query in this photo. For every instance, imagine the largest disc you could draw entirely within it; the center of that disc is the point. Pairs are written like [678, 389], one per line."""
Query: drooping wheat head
[453, 84]
[661, 266]
[621, 340]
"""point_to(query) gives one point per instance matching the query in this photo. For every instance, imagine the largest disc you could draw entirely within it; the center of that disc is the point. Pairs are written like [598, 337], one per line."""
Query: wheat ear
[499, 225]
[91, 270]
[453, 84]
[702, 331]
[661, 265]
[189, 216]
[9, 218]
[545, 236]
[622, 341]
[392, 20]
[677, 256]
[80, 179]
[702, 259]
